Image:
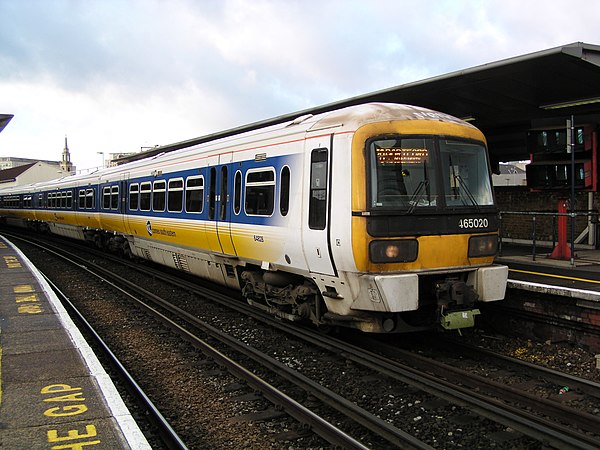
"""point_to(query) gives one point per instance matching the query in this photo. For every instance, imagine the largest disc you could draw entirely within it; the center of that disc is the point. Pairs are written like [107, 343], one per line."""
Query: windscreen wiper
[414, 199]
[462, 184]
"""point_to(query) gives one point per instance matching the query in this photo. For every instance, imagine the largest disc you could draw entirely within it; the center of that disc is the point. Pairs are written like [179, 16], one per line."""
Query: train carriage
[377, 216]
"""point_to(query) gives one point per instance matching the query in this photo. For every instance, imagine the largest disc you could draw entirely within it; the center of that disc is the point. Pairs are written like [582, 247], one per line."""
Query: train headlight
[405, 250]
[483, 246]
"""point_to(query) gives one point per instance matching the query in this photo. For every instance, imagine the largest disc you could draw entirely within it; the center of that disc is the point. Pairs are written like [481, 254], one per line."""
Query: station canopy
[504, 99]
[4, 119]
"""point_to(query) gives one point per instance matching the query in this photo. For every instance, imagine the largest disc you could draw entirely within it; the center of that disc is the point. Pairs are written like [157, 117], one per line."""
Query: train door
[219, 205]
[123, 202]
[315, 235]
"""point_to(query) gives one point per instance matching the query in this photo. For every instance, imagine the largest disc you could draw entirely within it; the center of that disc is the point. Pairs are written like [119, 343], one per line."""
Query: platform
[543, 274]
[54, 394]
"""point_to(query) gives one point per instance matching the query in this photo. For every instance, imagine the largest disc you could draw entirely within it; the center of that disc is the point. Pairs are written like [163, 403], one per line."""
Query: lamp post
[571, 150]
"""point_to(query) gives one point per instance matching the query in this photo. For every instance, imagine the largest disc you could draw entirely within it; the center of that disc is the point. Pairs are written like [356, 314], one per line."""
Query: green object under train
[459, 319]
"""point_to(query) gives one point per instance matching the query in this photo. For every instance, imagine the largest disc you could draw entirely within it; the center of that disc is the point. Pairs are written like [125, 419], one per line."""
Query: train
[378, 216]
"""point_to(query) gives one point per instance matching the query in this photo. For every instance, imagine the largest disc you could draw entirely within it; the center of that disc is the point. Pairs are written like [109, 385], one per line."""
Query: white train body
[297, 217]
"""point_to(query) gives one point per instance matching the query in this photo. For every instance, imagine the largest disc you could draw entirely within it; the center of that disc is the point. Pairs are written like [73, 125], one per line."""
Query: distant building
[113, 157]
[31, 173]
[47, 170]
[8, 162]
[511, 175]
[65, 162]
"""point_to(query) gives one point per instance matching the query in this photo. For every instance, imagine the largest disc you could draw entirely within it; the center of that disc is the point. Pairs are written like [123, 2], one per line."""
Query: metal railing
[593, 218]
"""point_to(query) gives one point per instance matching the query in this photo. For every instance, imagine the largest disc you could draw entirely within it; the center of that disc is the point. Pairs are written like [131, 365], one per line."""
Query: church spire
[65, 163]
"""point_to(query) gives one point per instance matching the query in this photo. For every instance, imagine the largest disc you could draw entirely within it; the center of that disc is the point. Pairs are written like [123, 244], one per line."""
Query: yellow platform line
[554, 276]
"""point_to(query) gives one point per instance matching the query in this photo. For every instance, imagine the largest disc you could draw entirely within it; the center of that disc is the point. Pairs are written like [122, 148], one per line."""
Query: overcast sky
[117, 75]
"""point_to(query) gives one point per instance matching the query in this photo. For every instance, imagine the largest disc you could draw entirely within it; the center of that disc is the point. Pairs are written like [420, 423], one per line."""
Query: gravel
[206, 406]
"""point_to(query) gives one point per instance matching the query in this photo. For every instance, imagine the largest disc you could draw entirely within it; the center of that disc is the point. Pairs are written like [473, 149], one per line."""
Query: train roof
[351, 117]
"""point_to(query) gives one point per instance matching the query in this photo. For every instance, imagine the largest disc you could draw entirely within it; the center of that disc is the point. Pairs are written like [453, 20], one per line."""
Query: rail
[169, 437]
[592, 216]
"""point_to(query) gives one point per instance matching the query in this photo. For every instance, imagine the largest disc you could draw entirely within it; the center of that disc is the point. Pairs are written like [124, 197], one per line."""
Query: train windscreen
[413, 172]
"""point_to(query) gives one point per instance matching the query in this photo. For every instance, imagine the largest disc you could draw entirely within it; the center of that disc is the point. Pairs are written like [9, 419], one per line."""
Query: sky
[119, 75]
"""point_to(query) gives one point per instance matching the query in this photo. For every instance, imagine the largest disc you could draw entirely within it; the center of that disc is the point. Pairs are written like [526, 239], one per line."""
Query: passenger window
[70, 200]
[212, 193]
[159, 196]
[81, 199]
[106, 197]
[284, 191]
[237, 192]
[260, 192]
[224, 194]
[175, 199]
[134, 197]
[317, 207]
[114, 197]
[90, 198]
[145, 192]
[194, 194]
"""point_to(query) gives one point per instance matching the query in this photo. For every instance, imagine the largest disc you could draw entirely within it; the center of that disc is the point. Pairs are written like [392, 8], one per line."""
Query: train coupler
[458, 319]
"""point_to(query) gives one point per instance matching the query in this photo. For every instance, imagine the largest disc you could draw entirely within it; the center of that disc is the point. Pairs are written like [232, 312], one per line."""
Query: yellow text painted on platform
[27, 300]
[68, 401]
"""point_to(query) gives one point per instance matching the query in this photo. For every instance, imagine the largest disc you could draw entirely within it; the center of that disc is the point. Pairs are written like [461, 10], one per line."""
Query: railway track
[447, 366]
[160, 425]
[187, 326]
[371, 365]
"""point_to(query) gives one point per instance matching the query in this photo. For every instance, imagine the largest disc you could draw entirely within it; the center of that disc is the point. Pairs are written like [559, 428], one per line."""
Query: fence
[543, 226]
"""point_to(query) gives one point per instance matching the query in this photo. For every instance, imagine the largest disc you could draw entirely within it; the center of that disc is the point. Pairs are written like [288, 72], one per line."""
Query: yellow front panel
[421, 127]
[434, 251]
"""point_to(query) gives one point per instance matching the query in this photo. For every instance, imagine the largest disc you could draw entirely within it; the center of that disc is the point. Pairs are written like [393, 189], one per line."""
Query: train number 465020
[473, 223]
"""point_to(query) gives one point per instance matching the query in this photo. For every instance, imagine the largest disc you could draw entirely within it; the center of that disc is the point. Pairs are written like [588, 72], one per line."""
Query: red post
[562, 249]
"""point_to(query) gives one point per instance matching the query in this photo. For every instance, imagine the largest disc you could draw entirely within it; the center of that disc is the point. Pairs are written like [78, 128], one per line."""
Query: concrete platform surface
[54, 394]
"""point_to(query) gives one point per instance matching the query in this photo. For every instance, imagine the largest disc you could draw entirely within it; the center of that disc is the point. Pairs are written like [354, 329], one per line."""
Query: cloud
[116, 75]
